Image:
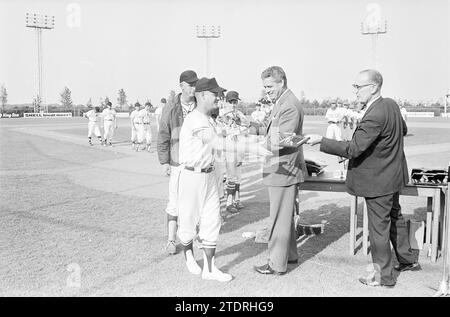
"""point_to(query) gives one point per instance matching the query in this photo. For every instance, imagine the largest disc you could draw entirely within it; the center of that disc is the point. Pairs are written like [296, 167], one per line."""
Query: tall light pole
[208, 32]
[373, 26]
[446, 103]
[39, 22]
[374, 31]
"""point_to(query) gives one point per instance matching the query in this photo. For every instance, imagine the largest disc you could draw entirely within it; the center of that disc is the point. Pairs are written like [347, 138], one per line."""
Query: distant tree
[3, 97]
[66, 98]
[106, 100]
[89, 103]
[122, 98]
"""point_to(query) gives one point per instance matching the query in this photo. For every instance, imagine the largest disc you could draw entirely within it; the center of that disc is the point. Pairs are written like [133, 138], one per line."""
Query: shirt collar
[371, 102]
[284, 92]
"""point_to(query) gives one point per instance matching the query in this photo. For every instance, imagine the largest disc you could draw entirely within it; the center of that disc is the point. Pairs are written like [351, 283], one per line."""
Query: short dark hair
[277, 73]
[108, 103]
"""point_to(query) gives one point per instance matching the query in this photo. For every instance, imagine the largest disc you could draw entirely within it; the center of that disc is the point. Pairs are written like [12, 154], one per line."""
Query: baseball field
[80, 220]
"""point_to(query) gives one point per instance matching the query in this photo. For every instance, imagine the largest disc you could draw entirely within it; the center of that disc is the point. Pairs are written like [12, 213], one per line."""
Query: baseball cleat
[232, 210]
[238, 205]
[171, 247]
[193, 267]
[216, 275]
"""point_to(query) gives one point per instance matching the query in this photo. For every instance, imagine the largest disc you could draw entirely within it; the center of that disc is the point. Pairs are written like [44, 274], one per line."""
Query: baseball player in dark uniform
[172, 118]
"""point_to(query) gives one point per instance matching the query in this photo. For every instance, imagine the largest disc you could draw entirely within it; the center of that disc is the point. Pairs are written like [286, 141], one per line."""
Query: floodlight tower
[374, 28]
[446, 103]
[40, 22]
[208, 32]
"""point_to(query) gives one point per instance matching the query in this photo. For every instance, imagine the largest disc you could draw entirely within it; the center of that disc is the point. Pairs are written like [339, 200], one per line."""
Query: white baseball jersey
[334, 115]
[92, 115]
[109, 114]
[143, 116]
[258, 115]
[195, 135]
[133, 115]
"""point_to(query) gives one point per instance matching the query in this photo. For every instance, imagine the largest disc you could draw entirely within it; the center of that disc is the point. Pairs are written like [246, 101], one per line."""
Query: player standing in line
[143, 119]
[236, 127]
[94, 124]
[158, 112]
[334, 117]
[109, 123]
[198, 194]
[172, 118]
[134, 121]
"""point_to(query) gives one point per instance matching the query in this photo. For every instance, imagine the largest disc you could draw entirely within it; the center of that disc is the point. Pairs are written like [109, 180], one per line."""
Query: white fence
[420, 114]
[48, 115]
[9, 115]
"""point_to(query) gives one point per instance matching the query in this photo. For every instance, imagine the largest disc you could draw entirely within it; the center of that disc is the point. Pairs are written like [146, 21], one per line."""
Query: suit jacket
[287, 166]
[169, 133]
[377, 164]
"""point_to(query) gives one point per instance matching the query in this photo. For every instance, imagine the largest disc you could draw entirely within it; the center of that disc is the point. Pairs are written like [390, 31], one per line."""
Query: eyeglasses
[358, 87]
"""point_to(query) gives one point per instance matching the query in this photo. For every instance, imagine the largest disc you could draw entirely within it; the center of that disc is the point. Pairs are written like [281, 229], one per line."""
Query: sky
[98, 47]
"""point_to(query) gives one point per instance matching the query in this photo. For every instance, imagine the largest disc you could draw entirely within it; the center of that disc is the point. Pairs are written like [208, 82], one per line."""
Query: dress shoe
[408, 267]
[293, 261]
[373, 283]
[266, 269]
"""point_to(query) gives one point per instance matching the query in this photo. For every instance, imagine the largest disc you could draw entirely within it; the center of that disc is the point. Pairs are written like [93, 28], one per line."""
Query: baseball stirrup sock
[208, 256]
[186, 247]
[172, 227]
[231, 188]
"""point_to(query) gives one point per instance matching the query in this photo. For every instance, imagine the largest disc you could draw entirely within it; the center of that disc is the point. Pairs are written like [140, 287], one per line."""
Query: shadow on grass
[335, 218]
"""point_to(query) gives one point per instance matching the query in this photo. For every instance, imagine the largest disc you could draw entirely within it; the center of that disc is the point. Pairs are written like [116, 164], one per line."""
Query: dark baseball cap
[208, 84]
[232, 95]
[189, 76]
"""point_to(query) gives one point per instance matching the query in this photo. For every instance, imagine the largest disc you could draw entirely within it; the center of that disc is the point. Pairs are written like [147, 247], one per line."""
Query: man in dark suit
[377, 171]
[282, 172]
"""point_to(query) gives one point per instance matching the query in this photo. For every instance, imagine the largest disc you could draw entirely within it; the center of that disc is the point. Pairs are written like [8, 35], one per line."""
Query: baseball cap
[232, 95]
[208, 84]
[189, 76]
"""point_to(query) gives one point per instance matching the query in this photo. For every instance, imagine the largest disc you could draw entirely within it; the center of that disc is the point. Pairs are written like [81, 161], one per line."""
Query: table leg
[429, 217]
[435, 230]
[353, 222]
[365, 230]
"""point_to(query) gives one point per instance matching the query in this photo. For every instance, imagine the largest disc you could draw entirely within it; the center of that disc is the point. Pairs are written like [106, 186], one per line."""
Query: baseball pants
[133, 134]
[144, 133]
[334, 132]
[198, 203]
[109, 130]
[172, 205]
[93, 128]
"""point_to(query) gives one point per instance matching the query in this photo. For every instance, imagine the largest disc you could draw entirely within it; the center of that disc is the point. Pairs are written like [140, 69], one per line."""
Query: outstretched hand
[313, 139]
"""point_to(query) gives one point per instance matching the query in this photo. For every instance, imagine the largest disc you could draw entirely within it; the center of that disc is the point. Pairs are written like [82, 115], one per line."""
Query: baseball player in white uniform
[134, 121]
[93, 116]
[158, 112]
[109, 123]
[198, 200]
[334, 117]
[144, 131]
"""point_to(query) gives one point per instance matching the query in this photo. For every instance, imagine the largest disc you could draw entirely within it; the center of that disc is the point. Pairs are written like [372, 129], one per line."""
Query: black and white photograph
[203, 150]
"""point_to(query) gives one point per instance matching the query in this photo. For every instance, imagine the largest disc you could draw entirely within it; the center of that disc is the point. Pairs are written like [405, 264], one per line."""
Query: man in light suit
[377, 171]
[283, 172]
